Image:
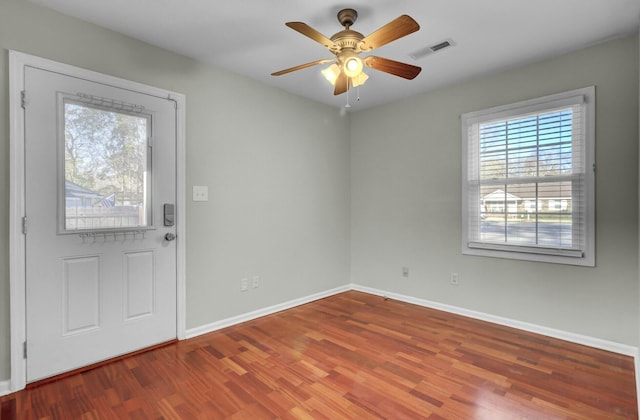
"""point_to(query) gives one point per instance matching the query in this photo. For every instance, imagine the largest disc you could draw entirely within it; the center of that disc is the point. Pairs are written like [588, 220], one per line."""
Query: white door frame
[17, 256]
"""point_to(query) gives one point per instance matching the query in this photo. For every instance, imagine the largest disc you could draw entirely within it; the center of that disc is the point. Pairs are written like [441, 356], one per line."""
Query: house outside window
[528, 180]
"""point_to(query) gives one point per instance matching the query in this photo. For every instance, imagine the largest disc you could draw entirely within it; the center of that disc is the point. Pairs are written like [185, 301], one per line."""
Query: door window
[107, 165]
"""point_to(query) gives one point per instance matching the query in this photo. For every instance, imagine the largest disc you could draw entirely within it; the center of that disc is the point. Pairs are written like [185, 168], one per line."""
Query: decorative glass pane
[106, 168]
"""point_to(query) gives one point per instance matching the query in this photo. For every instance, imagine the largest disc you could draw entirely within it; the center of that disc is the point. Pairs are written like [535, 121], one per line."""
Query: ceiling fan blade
[302, 66]
[396, 68]
[401, 26]
[308, 31]
[342, 84]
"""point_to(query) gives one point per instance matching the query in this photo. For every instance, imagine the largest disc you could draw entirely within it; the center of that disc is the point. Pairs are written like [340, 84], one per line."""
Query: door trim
[17, 251]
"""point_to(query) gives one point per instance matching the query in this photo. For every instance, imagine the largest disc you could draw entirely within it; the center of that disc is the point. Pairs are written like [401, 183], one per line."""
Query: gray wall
[276, 166]
[406, 192]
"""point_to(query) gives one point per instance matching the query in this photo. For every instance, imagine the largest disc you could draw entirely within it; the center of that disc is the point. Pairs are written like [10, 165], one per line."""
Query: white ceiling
[249, 37]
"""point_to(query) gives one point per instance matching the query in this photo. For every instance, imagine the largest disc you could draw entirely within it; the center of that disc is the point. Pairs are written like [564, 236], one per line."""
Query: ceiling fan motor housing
[346, 43]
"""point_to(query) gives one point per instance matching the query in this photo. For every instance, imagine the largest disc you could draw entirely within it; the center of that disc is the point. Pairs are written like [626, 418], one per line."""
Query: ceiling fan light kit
[331, 73]
[352, 66]
[346, 71]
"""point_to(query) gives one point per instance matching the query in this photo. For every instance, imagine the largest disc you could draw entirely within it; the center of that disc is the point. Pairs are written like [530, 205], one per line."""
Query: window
[106, 165]
[528, 180]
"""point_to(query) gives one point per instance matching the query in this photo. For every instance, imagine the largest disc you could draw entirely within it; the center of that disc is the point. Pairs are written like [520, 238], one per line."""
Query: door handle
[169, 236]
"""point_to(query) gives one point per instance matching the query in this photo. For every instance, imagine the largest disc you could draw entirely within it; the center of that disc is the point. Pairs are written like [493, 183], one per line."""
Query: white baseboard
[636, 361]
[525, 326]
[5, 388]
[214, 326]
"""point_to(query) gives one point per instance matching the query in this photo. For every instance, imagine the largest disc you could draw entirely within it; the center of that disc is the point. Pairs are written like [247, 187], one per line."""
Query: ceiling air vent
[423, 52]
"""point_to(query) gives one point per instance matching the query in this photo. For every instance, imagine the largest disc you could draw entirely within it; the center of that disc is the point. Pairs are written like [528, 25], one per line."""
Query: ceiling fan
[347, 68]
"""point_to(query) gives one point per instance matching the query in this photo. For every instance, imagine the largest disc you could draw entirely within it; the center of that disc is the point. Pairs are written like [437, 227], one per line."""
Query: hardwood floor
[352, 355]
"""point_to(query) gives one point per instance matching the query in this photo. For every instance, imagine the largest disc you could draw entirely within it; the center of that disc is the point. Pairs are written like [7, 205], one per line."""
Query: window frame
[532, 253]
[105, 105]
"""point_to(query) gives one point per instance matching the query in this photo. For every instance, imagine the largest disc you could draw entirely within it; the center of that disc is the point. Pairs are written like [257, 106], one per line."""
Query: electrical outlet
[244, 284]
[405, 271]
[200, 193]
[454, 279]
[255, 282]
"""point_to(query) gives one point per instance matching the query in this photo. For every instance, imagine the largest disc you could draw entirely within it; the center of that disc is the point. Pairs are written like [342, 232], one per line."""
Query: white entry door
[100, 190]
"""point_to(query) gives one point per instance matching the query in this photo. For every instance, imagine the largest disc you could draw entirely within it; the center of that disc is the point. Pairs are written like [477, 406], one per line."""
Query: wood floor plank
[349, 356]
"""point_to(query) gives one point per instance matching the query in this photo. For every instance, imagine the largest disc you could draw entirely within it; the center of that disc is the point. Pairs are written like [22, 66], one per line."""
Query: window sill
[567, 257]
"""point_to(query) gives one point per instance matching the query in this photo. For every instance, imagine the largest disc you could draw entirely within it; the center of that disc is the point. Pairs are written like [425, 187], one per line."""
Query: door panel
[139, 284]
[100, 276]
[80, 294]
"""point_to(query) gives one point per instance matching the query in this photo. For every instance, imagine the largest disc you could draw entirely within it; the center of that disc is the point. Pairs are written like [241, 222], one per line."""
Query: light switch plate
[200, 193]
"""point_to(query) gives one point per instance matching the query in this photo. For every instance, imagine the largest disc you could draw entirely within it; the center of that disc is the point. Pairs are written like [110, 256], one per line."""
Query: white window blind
[528, 180]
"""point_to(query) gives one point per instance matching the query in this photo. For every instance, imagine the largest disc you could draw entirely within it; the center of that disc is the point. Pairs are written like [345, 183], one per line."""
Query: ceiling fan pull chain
[347, 105]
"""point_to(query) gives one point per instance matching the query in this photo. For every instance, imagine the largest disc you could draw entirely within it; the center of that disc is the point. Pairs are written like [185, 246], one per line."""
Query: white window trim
[587, 256]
